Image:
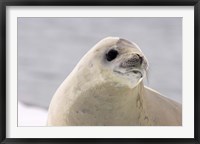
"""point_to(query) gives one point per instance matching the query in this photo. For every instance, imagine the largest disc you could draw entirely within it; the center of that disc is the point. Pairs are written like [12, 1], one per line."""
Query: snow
[31, 116]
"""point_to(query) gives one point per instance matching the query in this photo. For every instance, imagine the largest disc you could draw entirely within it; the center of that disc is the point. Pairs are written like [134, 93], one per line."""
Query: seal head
[121, 60]
[127, 62]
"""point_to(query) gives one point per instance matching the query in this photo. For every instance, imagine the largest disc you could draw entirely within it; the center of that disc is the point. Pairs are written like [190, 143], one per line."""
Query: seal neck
[108, 105]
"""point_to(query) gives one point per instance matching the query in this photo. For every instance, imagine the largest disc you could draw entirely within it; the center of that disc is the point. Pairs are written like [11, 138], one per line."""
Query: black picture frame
[5, 3]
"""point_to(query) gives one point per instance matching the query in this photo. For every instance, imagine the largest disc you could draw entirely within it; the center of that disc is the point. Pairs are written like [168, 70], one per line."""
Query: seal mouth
[136, 71]
[133, 71]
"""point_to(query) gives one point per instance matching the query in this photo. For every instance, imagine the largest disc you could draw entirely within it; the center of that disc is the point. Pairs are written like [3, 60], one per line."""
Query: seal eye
[111, 55]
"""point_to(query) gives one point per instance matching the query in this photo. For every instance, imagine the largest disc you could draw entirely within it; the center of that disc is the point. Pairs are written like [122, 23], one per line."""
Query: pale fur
[93, 96]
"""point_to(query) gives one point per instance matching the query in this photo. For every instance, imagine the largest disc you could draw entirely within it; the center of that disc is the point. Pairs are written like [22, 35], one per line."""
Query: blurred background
[49, 48]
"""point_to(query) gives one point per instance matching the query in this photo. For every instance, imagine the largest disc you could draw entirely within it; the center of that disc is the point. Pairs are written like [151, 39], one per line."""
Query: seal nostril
[135, 61]
[140, 58]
